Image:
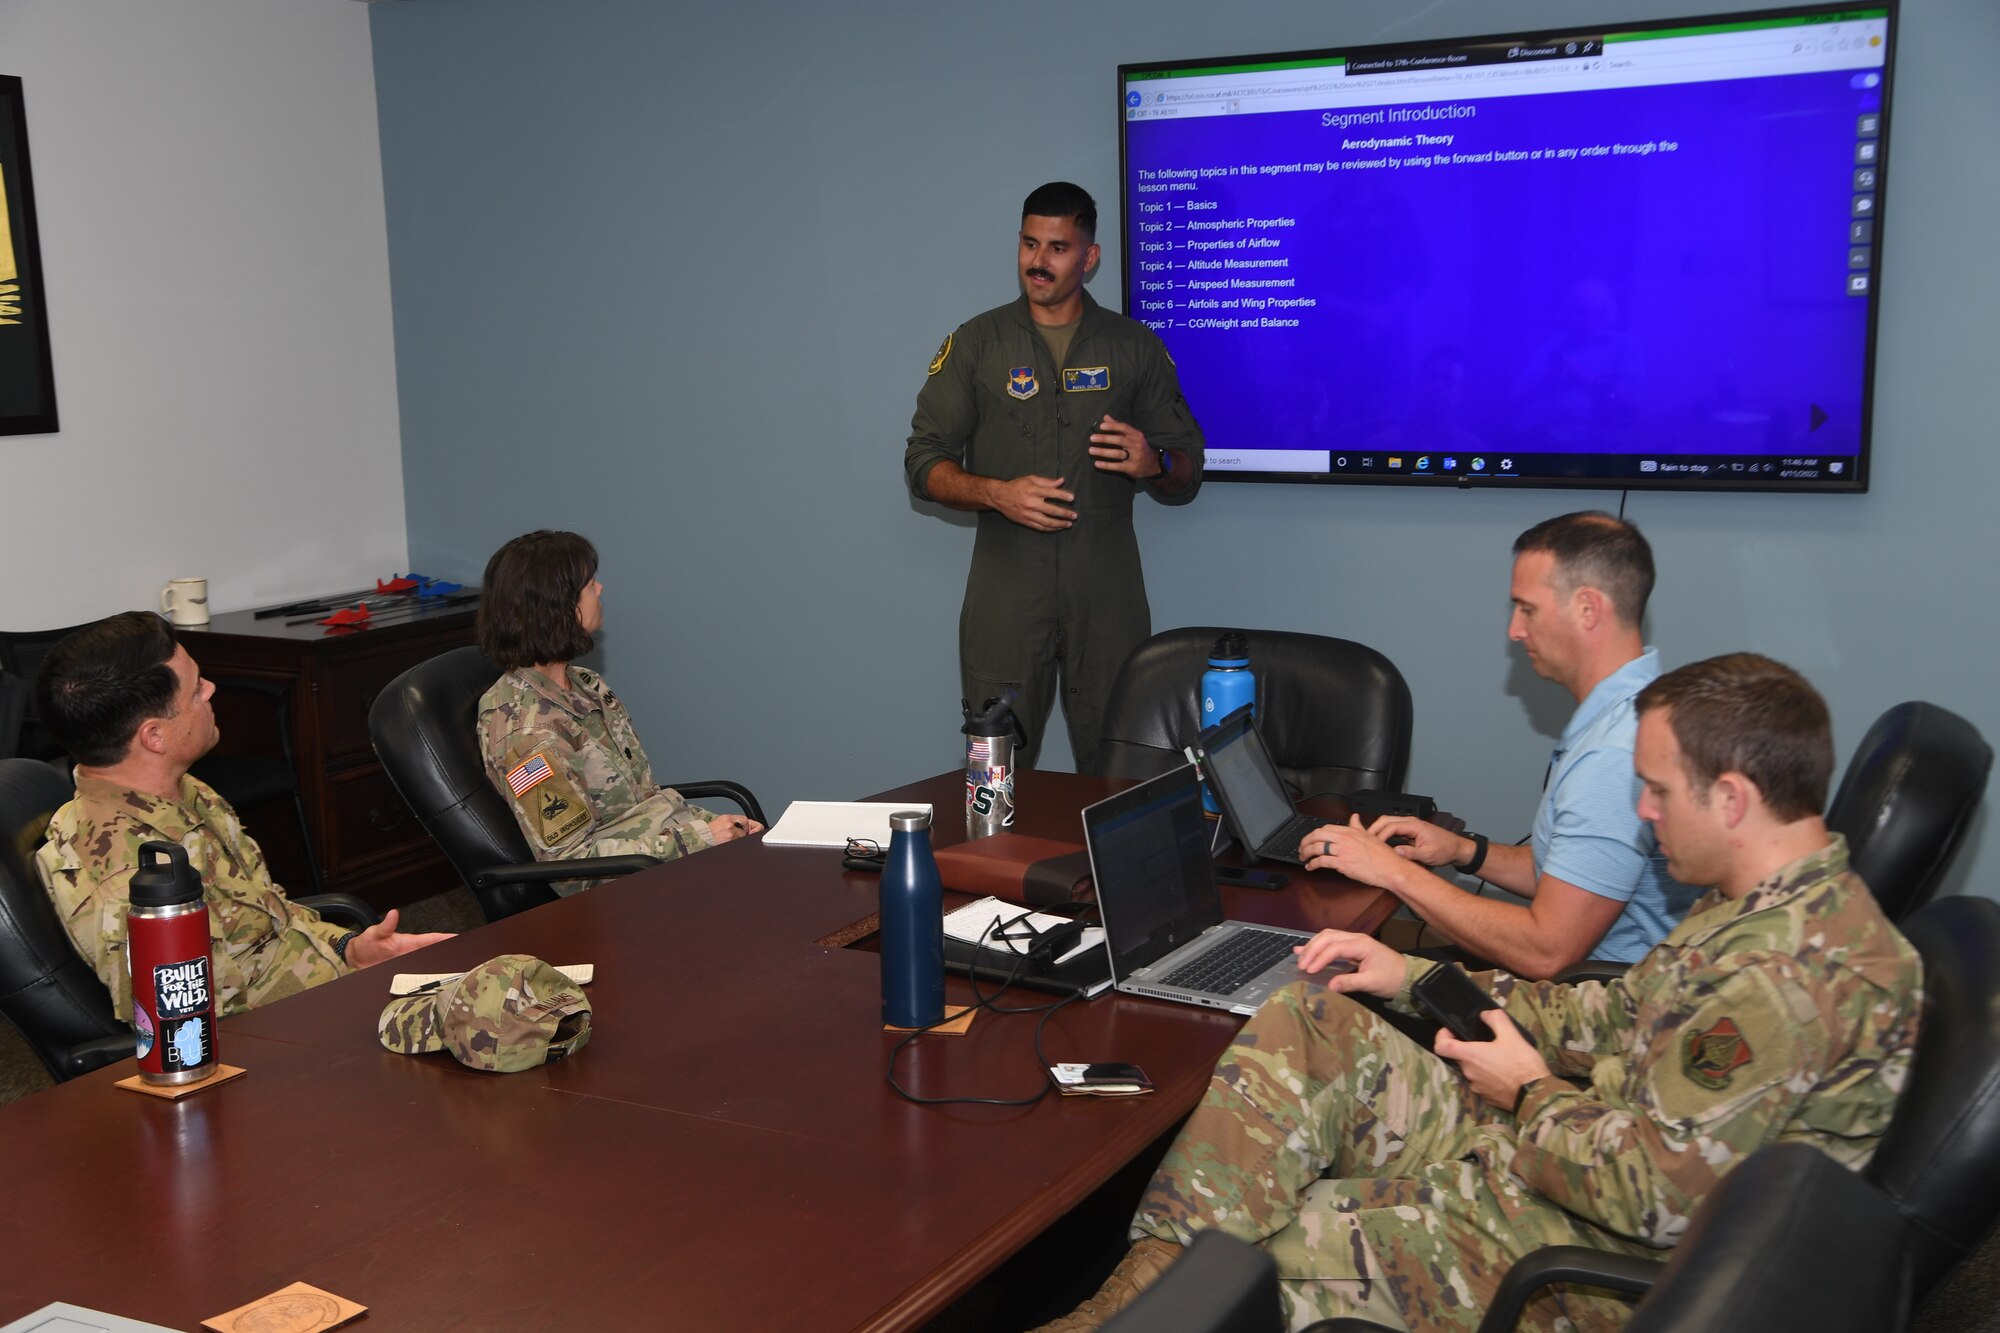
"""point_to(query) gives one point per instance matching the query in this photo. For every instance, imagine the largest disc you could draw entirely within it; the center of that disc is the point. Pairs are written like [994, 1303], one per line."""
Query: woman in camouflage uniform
[558, 743]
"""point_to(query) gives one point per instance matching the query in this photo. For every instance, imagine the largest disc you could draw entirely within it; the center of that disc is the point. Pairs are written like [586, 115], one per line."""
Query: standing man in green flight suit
[1045, 417]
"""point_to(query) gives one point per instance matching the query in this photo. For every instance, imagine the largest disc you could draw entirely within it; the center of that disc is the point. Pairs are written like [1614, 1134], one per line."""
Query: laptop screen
[1241, 767]
[1149, 857]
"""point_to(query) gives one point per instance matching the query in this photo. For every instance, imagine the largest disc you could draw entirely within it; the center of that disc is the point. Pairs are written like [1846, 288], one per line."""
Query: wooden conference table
[725, 1154]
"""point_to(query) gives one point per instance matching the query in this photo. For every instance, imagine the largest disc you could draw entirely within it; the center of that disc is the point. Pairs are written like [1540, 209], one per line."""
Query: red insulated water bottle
[173, 992]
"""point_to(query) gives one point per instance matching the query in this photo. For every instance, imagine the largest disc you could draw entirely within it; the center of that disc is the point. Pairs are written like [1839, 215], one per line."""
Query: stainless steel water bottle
[167, 948]
[912, 925]
[990, 739]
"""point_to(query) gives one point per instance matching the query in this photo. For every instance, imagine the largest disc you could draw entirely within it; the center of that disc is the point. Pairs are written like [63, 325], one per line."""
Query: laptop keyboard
[1236, 960]
[1285, 842]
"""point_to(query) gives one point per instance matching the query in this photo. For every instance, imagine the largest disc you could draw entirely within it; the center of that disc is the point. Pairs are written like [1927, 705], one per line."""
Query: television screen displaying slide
[1636, 257]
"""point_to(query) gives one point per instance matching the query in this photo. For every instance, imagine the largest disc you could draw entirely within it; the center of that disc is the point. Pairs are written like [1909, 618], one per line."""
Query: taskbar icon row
[1435, 464]
[1454, 466]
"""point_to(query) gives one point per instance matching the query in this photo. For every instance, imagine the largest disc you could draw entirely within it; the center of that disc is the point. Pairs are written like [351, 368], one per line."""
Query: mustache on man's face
[1042, 273]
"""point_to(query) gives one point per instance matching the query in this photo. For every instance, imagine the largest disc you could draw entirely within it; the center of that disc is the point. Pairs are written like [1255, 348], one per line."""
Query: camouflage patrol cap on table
[504, 1015]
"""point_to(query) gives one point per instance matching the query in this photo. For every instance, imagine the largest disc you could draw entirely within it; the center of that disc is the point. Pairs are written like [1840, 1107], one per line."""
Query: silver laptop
[1162, 914]
[1252, 795]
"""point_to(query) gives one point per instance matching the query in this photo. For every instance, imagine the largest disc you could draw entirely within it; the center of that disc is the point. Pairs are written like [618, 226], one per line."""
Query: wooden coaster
[175, 1091]
[299, 1308]
[958, 1017]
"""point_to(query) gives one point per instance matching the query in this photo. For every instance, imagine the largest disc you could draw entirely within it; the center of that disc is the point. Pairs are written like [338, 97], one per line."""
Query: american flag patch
[527, 775]
[979, 751]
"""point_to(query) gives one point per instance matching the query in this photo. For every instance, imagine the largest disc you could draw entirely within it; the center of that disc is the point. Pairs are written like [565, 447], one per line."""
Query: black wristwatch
[341, 942]
[1478, 856]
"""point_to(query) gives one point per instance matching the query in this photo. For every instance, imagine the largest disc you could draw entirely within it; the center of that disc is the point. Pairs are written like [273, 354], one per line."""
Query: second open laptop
[1162, 913]
[1246, 784]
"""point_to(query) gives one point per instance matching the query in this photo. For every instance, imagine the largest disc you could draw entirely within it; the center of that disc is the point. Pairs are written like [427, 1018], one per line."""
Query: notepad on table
[832, 823]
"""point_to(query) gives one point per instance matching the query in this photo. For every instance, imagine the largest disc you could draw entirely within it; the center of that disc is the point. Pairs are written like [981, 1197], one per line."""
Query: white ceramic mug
[185, 601]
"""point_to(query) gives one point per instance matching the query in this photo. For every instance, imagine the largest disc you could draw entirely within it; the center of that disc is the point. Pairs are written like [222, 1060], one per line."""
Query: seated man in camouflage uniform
[558, 743]
[131, 707]
[1399, 1186]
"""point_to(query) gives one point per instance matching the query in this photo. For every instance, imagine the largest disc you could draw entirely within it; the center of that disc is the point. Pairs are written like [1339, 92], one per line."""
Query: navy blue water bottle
[912, 925]
[1225, 687]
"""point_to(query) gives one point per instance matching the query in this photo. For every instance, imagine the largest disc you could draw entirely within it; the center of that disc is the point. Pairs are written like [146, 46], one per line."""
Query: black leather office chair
[425, 725]
[1940, 1160]
[47, 990]
[1335, 714]
[1906, 799]
[1221, 1285]
[14, 694]
[243, 780]
[21, 654]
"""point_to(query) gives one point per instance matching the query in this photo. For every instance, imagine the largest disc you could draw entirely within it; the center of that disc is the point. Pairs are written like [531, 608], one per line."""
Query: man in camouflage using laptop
[1400, 1186]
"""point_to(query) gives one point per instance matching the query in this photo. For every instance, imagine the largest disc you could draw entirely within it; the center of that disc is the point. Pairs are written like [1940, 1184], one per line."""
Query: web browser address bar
[1252, 90]
[1363, 84]
[1433, 78]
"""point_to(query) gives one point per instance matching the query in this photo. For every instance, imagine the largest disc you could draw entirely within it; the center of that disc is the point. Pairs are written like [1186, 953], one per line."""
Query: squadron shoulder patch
[944, 354]
[1711, 1057]
[1021, 382]
[1086, 379]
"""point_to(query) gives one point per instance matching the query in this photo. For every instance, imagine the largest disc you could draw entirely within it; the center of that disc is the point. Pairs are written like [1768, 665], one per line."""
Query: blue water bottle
[1225, 687]
[912, 925]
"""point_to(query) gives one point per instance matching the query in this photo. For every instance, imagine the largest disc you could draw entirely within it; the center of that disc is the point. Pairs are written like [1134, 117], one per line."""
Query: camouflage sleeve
[93, 914]
[1705, 1082]
[266, 946]
[947, 414]
[662, 825]
[538, 770]
[1573, 1025]
[298, 957]
[544, 775]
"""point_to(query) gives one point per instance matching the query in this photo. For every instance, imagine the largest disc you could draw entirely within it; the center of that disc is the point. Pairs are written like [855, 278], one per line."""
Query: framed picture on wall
[27, 372]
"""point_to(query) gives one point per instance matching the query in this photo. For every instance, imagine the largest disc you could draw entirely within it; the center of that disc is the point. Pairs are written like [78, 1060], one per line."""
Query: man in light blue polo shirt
[1596, 884]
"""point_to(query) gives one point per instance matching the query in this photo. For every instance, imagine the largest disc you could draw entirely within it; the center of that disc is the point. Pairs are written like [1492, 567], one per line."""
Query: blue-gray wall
[670, 276]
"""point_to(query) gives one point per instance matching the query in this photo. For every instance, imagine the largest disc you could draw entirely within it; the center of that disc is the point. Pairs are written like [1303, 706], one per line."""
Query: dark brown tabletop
[724, 1154]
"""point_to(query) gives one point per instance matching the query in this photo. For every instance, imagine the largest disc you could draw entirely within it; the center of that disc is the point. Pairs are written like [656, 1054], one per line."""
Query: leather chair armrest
[1566, 1263]
[542, 872]
[1592, 969]
[343, 908]
[734, 791]
[97, 1053]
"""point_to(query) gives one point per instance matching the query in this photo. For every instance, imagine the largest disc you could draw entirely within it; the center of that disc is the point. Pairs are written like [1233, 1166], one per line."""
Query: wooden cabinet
[366, 840]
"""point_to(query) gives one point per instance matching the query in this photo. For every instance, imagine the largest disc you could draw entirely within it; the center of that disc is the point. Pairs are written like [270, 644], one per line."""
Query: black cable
[988, 1003]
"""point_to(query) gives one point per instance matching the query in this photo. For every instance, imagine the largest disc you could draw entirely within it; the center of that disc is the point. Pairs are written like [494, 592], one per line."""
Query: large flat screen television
[1637, 256]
